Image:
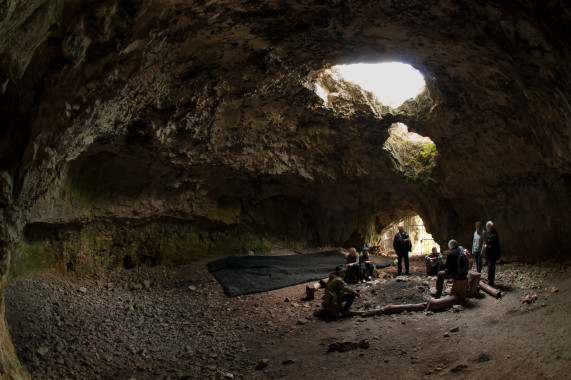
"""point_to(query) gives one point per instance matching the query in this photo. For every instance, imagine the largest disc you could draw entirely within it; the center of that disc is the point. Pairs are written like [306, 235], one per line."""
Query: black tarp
[254, 274]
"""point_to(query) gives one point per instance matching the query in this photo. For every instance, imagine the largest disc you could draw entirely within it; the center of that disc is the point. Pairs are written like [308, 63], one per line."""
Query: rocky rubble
[177, 323]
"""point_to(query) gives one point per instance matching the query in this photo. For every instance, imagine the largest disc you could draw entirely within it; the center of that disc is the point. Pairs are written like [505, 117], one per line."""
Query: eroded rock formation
[132, 131]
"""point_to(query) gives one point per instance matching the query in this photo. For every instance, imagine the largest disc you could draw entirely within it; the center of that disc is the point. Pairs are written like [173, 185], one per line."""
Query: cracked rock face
[197, 123]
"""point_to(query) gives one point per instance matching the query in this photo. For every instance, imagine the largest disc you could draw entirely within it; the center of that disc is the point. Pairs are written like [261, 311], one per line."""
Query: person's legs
[439, 283]
[369, 269]
[491, 272]
[442, 275]
[353, 271]
[400, 263]
[406, 265]
[350, 298]
[479, 262]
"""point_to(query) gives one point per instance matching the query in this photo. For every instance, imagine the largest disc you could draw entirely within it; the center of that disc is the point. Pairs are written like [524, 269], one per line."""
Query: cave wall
[201, 117]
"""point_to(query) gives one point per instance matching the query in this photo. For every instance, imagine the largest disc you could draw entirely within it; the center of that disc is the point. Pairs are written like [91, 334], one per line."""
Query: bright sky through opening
[391, 82]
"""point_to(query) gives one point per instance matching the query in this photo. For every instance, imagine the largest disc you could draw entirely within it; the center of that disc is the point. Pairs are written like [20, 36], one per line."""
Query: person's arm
[395, 243]
[346, 288]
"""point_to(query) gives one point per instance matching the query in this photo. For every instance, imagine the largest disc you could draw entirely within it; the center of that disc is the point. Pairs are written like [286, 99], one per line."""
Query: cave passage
[422, 240]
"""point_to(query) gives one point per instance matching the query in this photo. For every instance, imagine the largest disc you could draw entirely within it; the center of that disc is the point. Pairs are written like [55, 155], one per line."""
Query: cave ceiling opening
[392, 82]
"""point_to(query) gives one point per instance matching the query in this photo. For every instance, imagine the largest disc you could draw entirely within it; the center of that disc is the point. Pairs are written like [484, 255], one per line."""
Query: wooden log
[496, 293]
[310, 290]
[429, 270]
[443, 303]
[459, 288]
[395, 309]
[473, 281]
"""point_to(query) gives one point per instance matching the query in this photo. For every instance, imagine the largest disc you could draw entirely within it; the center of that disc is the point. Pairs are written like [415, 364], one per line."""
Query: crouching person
[451, 267]
[337, 292]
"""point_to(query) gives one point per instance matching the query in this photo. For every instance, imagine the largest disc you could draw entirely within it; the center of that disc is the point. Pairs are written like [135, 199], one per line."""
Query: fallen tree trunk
[395, 309]
[443, 303]
[496, 293]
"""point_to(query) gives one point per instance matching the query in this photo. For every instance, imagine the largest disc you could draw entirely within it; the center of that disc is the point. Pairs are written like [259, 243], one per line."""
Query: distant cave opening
[422, 240]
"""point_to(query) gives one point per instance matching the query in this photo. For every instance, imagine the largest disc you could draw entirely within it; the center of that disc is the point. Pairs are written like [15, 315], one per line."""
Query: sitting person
[367, 267]
[337, 292]
[353, 266]
[433, 262]
[451, 267]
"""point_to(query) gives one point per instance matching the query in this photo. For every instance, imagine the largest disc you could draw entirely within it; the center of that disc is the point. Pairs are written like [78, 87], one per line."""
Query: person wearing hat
[337, 292]
[367, 266]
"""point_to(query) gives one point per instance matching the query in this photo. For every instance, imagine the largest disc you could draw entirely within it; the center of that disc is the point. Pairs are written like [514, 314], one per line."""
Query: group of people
[485, 243]
[339, 297]
[360, 265]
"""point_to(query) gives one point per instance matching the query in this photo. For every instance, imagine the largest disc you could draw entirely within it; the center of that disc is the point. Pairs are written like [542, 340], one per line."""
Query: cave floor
[177, 323]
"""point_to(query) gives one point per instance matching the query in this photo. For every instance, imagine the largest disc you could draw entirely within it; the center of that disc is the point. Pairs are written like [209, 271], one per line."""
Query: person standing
[492, 249]
[477, 245]
[402, 246]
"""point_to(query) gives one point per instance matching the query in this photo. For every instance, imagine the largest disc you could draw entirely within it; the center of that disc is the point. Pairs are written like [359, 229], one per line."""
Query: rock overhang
[161, 109]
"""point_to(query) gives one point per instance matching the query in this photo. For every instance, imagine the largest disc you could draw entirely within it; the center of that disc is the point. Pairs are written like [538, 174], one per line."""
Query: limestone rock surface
[177, 123]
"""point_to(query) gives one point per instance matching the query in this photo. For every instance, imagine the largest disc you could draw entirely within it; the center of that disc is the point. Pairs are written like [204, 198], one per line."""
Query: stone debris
[554, 289]
[82, 289]
[529, 298]
[212, 333]
[262, 363]
[458, 368]
[457, 308]
[348, 346]
[455, 329]
[481, 359]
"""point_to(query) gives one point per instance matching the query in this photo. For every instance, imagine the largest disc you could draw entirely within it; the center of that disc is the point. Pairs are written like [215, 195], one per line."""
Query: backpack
[464, 261]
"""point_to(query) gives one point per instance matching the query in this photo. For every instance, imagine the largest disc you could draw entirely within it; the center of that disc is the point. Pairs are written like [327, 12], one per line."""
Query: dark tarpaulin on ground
[254, 274]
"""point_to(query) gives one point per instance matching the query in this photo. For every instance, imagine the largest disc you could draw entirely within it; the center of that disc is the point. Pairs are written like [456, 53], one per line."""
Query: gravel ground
[177, 323]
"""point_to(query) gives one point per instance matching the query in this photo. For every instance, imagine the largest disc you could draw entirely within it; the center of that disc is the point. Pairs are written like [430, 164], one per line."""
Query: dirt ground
[177, 323]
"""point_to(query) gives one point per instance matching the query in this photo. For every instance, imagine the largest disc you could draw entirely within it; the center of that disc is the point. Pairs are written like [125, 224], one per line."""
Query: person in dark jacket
[492, 249]
[367, 267]
[433, 262]
[402, 246]
[451, 267]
